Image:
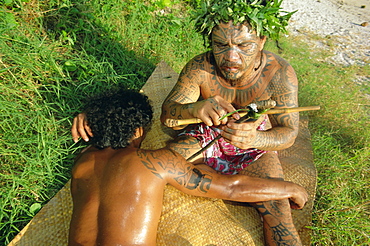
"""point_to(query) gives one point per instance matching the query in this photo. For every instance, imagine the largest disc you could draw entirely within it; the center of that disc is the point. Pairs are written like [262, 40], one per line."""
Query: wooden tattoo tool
[251, 115]
[175, 122]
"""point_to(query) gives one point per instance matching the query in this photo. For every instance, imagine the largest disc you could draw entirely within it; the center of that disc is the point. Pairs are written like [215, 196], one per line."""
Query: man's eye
[247, 46]
[221, 45]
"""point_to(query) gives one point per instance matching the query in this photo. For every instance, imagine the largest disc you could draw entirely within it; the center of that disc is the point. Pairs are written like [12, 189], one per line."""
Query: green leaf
[231, 113]
[241, 19]
[70, 66]
[8, 2]
[34, 208]
[7, 20]
[258, 13]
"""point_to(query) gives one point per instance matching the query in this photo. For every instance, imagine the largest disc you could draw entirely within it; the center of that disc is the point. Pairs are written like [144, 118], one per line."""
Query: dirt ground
[355, 7]
[340, 23]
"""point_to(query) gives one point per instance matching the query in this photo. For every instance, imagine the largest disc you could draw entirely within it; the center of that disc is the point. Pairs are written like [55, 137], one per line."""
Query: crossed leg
[187, 146]
[277, 218]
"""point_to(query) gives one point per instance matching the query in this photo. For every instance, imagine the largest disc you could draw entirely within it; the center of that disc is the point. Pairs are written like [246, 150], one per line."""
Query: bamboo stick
[174, 122]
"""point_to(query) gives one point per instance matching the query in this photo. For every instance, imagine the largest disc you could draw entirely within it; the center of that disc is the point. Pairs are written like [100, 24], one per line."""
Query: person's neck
[131, 146]
[136, 143]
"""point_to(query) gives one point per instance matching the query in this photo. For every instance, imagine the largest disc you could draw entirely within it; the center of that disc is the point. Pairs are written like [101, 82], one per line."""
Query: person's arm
[284, 87]
[186, 177]
[181, 103]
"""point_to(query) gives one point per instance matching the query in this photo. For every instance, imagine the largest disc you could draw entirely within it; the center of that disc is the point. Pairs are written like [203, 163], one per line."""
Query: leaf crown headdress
[264, 16]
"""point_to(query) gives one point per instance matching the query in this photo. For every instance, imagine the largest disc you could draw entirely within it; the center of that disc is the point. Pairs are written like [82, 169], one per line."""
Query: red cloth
[223, 156]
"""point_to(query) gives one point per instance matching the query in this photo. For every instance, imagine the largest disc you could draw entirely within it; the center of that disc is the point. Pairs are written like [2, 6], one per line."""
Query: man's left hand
[241, 135]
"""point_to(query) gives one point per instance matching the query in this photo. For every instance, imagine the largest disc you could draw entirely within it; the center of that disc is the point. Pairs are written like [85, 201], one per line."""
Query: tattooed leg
[277, 218]
[187, 146]
[278, 225]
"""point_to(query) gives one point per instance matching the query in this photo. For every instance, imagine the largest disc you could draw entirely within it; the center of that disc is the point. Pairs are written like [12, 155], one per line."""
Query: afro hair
[113, 117]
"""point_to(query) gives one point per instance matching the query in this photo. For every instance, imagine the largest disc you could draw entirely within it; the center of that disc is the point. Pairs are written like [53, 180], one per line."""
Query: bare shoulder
[187, 88]
[196, 66]
[162, 162]
[279, 70]
[282, 80]
[176, 171]
[95, 163]
[84, 164]
[199, 61]
[278, 64]
[273, 59]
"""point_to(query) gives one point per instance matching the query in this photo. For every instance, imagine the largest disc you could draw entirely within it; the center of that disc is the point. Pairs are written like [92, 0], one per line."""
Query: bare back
[116, 184]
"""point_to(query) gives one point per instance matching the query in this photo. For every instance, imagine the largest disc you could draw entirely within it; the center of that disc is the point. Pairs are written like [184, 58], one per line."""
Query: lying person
[117, 188]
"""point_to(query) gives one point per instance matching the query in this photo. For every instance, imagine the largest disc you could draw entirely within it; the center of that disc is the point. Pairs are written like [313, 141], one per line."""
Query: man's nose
[232, 55]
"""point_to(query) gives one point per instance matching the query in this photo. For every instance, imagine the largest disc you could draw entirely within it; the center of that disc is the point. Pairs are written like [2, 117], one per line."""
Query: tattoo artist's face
[235, 49]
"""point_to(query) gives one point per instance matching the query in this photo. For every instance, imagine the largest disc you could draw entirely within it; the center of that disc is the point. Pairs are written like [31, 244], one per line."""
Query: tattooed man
[117, 188]
[235, 73]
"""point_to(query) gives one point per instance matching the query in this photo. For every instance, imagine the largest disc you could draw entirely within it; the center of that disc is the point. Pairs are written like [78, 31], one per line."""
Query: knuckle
[81, 130]
[230, 131]
[208, 122]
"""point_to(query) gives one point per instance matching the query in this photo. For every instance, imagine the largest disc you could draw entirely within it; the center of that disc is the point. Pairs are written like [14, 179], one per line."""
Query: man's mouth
[230, 69]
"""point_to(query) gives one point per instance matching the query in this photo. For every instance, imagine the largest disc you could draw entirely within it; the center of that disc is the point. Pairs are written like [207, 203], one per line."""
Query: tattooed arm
[174, 169]
[283, 88]
[181, 103]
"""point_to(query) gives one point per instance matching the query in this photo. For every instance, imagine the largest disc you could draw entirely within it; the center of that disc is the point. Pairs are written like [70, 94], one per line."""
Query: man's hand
[299, 197]
[241, 135]
[212, 109]
[80, 128]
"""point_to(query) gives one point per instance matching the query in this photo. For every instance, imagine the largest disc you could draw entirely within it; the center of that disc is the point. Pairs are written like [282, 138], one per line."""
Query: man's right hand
[299, 197]
[212, 109]
[80, 128]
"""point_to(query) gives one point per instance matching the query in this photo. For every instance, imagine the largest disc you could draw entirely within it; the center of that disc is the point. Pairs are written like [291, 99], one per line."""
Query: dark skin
[117, 194]
[232, 77]
[234, 74]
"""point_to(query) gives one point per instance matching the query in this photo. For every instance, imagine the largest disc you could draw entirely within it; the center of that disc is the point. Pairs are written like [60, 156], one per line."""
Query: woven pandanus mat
[189, 220]
[185, 219]
[50, 225]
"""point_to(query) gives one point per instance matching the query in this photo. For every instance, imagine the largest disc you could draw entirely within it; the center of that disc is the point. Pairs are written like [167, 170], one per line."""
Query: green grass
[55, 53]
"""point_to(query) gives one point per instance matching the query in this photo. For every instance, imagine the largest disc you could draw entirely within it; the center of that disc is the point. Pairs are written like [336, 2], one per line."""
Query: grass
[55, 53]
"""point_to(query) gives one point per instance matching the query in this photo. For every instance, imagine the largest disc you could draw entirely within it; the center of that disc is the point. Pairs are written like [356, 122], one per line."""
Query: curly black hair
[114, 115]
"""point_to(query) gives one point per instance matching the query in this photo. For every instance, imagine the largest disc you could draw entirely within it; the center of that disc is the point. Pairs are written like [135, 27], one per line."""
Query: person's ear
[138, 137]
[139, 132]
[263, 41]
